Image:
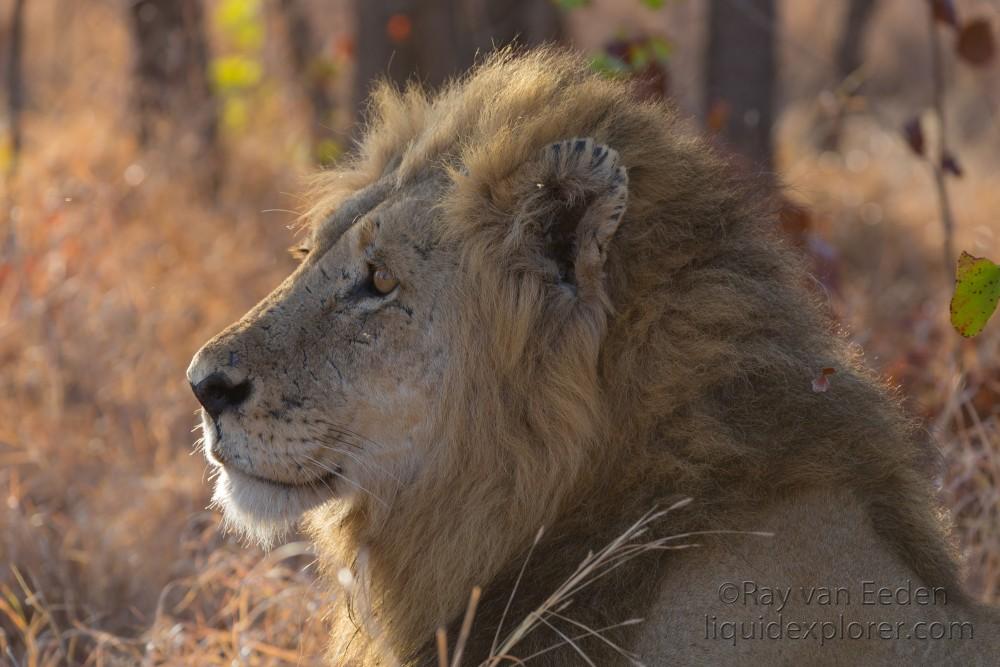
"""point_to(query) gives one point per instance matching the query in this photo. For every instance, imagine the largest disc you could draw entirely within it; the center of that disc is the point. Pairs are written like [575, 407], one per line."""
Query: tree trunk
[850, 78]
[15, 82]
[171, 89]
[311, 71]
[433, 40]
[856, 20]
[740, 74]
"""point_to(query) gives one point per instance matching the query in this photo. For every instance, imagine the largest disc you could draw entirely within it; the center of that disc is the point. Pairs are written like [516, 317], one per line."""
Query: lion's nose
[217, 393]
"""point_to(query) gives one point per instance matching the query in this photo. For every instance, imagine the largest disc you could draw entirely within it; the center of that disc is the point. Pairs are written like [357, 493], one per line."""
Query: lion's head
[532, 300]
[440, 282]
[323, 390]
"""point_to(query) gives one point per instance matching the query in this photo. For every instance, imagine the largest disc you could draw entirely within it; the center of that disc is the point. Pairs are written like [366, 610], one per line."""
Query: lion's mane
[694, 382]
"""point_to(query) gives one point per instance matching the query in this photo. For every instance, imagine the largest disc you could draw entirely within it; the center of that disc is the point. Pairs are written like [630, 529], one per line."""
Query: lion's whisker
[334, 472]
[377, 448]
[331, 440]
[367, 462]
[346, 431]
[367, 465]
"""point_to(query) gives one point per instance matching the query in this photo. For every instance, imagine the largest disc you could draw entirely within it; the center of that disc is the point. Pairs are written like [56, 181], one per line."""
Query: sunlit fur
[688, 375]
[260, 513]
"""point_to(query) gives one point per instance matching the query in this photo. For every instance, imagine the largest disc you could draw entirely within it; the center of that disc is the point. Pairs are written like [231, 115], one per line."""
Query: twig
[442, 646]
[513, 592]
[940, 178]
[944, 203]
[463, 635]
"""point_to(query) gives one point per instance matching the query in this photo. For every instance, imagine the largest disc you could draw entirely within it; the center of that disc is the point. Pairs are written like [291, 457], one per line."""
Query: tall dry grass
[114, 269]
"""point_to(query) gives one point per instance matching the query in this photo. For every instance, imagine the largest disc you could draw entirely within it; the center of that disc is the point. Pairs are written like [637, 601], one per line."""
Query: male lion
[533, 301]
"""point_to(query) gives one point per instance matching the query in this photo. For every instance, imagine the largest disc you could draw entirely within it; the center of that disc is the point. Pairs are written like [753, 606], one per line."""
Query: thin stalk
[940, 178]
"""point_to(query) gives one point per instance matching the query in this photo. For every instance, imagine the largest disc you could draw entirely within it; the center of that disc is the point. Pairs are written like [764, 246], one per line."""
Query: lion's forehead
[386, 210]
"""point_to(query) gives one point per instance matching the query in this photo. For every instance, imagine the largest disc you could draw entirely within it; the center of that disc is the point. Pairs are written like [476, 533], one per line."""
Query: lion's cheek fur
[258, 512]
[537, 428]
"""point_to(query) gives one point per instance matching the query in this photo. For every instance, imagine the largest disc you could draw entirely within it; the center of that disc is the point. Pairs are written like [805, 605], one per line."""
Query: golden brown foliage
[104, 296]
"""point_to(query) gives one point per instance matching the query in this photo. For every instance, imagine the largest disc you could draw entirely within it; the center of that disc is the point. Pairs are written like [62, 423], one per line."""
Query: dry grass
[113, 271]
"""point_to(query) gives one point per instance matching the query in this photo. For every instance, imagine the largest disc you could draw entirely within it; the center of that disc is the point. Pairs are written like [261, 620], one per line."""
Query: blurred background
[152, 152]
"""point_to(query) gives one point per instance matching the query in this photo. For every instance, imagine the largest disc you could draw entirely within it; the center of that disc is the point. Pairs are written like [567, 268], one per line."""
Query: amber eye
[384, 281]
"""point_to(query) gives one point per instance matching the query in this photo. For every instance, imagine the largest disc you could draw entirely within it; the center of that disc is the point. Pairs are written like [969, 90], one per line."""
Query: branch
[944, 202]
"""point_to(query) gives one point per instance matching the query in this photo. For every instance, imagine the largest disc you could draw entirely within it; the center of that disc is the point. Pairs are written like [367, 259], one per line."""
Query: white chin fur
[262, 512]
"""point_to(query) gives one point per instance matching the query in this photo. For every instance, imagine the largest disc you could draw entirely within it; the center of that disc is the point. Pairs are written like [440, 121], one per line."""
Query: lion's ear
[581, 193]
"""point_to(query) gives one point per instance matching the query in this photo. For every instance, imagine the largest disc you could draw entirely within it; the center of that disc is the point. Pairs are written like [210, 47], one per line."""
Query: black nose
[216, 393]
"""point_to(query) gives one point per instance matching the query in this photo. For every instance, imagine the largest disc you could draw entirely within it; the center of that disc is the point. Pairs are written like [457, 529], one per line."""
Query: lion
[530, 311]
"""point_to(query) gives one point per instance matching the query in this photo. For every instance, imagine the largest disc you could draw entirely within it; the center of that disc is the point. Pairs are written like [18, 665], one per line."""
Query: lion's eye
[383, 280]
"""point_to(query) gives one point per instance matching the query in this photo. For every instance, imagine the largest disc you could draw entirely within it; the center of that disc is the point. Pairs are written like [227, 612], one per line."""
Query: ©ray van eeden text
[772, 624]
[871, 593]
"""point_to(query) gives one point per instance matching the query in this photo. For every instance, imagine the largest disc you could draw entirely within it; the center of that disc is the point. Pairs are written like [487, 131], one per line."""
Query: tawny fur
[697, 384]
[680, 367]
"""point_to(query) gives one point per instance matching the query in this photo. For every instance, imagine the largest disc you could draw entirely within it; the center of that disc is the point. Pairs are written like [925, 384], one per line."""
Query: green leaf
[232, 14]
[653, 4]
[572, 4]
[327, 151]
[241, 23]
[235, 73]
[249, 36]
[639, 56]
[235, 114]
[661, 48]
[977, 289]
[608, 65]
